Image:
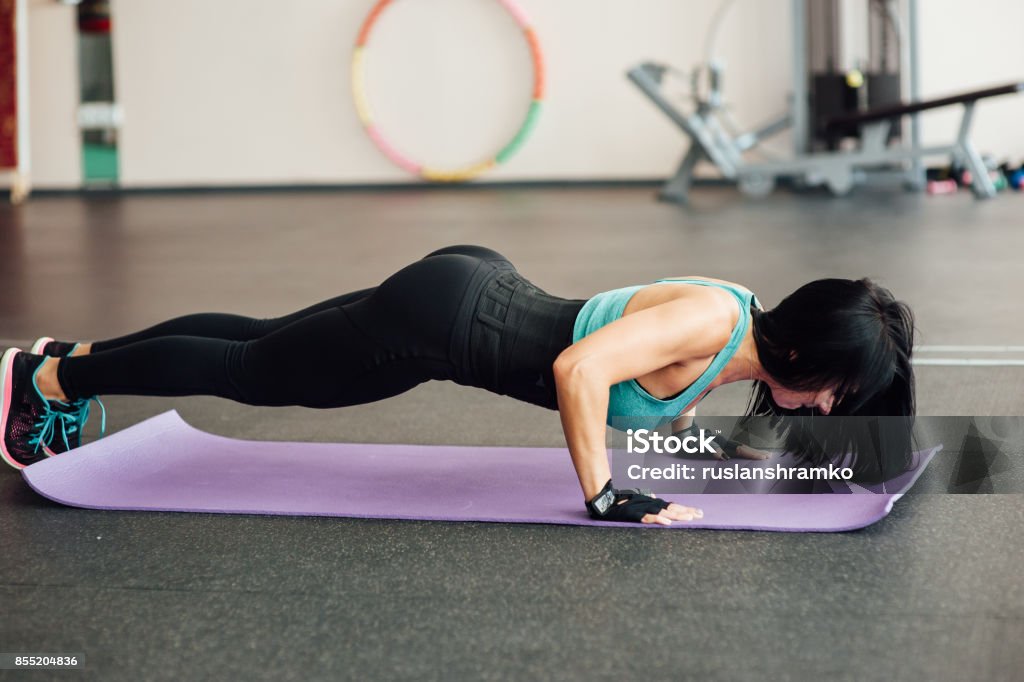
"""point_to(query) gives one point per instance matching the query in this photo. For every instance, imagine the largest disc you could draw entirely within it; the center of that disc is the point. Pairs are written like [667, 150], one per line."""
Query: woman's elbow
[570, 369]
[563, 367]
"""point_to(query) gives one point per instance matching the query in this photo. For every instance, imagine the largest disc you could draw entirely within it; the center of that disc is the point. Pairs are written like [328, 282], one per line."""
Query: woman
[642, 355]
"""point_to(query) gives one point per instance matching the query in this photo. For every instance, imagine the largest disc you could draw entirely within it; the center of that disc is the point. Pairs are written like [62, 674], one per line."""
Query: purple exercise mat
[164, 464]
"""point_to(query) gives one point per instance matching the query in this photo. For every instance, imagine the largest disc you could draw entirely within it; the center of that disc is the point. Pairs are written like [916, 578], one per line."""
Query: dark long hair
[854, 335]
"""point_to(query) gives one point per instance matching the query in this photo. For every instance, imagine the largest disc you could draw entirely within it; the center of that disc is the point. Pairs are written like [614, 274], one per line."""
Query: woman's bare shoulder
[712, 279]
[714, 307]
[712, 298]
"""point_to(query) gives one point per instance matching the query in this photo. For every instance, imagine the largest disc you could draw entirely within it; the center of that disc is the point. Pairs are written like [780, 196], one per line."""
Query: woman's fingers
[674, 512]
[682, 509]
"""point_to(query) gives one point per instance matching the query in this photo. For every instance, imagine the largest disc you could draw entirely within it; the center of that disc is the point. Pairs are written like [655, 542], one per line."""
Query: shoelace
[82, 416]
[75, 416]
[44, 430]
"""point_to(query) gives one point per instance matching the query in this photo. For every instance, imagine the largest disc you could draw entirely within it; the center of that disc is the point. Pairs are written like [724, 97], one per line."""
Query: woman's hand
[636, 506]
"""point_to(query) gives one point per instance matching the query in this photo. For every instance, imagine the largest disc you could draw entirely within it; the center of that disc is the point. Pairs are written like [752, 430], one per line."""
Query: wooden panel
[8, 87]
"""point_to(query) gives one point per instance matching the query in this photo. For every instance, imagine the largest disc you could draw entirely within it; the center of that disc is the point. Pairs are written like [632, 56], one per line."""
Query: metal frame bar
[839, 169]
[916, 174]
[801, 101]
[708, 138]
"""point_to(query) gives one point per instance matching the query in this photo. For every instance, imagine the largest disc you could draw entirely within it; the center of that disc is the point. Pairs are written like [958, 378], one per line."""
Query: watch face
[604, 502]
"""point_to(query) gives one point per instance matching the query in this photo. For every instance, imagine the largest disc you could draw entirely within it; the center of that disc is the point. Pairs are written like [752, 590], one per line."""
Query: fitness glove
[623, 505]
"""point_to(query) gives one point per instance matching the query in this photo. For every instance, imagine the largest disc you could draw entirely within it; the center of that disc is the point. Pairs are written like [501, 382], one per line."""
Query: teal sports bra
[629, 405]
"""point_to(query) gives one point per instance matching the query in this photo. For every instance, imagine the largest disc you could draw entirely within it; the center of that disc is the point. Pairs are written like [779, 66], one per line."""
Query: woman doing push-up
[643, 354]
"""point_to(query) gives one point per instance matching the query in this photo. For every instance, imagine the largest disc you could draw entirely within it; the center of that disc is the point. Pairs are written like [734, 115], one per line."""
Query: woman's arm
[688, 328]
[684, 420]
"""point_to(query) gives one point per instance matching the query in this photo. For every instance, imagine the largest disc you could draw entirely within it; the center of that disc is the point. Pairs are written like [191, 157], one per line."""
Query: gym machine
[846, 120]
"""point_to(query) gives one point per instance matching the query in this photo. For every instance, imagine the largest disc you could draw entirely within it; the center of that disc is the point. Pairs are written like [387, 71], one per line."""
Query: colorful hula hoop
[467, 172]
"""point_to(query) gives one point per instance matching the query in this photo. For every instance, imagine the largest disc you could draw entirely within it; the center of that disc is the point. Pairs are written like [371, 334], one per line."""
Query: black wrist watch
[600, 503]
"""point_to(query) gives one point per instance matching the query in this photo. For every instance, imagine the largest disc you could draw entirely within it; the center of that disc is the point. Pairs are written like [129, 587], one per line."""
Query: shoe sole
[6, 387]
[6, 384]
[39, 345]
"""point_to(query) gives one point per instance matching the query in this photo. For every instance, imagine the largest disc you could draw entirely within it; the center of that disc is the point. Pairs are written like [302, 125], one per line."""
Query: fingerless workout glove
[623, 505]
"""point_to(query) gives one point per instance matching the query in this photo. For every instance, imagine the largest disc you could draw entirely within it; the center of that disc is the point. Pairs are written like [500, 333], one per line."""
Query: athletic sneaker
[31, 426]
[45, 345]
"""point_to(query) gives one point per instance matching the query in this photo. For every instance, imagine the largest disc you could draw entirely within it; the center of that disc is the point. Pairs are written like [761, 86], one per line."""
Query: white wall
[237, 91]
[257, 92]
[54, 141]
[969, 46]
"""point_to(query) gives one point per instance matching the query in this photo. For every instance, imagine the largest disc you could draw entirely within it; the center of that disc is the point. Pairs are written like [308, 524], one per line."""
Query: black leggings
[461, 313]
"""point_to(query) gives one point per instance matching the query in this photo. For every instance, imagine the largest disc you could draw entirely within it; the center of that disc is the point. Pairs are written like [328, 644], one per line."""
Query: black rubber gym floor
[931, 592]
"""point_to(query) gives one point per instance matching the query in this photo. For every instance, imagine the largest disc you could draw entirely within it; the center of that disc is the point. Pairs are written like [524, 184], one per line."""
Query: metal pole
[800, 103]
[917, 167]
